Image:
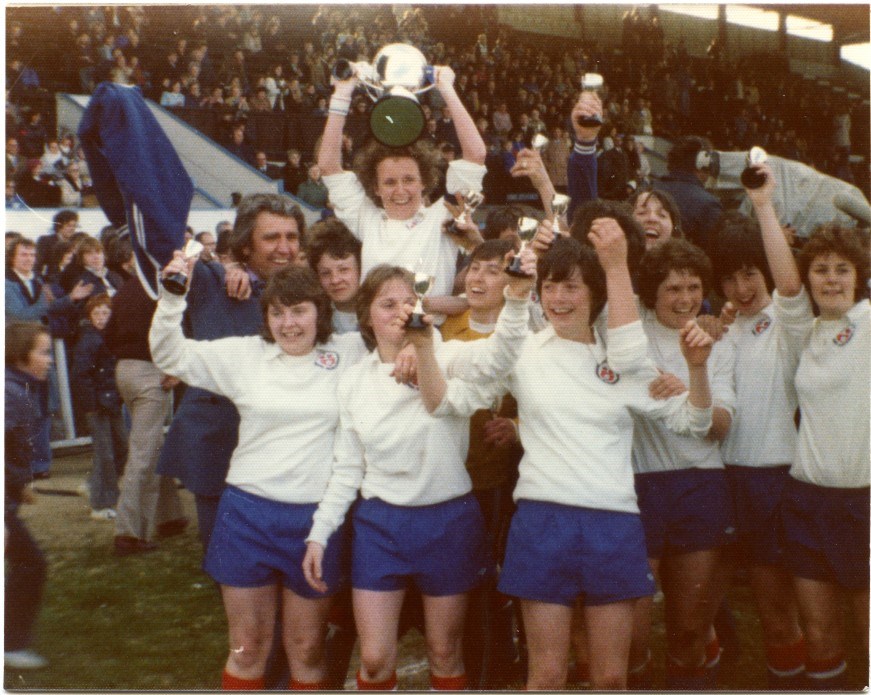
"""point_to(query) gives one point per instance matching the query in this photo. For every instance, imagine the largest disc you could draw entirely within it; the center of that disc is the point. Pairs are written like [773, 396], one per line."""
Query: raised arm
[608, 239]
[583, 165]
[780, 259]
[330, 152]
[471, 142]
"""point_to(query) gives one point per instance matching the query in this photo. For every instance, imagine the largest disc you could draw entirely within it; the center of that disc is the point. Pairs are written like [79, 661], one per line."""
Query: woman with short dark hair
[283, 383]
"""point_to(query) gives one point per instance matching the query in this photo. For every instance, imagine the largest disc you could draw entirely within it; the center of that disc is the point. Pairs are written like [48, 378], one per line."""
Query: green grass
[155, 622]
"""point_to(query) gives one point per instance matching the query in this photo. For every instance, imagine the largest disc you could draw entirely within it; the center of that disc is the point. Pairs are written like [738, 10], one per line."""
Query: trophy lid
[400, 65]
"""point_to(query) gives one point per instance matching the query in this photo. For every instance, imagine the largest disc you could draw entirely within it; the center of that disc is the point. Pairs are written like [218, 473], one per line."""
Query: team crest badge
[845, 335]
[327, 359]
[606, 374]
[762, 325]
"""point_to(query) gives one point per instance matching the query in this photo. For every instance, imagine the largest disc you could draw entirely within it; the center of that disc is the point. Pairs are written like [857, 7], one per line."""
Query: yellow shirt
[488, 466]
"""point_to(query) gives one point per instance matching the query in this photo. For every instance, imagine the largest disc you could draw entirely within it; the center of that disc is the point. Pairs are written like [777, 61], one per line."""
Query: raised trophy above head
[559, 205]
[177, 283]
[591, 82]
[750, 177]
[526, 227]
[394, 80]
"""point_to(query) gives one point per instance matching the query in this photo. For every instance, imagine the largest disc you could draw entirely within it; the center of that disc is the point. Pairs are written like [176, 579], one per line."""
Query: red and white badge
[327, 359]
[845, 335]
[762, 325]
[606, 374]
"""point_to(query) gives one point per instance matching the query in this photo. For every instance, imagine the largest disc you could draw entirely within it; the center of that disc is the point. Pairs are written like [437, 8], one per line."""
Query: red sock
[825, 670]
[231, 682]
[712, 653]
[786, 659]
[299, 685]
[388, 684]
[460, 682]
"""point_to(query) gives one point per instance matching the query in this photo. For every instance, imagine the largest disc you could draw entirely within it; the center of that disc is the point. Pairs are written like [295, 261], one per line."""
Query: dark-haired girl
[760, 446]
[576, 533]
[283, 384]
[681, 484]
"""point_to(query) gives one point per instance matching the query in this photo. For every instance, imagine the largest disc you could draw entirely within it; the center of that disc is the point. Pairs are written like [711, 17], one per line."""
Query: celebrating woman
[681, 484]
[825, 509]
[382, 203]
[760, 446]
[418, 520]
[284, 385]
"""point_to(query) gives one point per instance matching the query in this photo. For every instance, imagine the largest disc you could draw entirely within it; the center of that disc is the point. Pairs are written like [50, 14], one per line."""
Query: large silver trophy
[394, 80]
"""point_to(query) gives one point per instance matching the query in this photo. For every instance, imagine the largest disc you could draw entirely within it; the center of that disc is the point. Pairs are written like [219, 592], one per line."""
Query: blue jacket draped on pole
[138, 177]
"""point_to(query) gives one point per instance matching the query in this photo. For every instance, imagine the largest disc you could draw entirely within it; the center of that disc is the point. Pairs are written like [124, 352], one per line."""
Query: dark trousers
[109, 435]
[25, 578]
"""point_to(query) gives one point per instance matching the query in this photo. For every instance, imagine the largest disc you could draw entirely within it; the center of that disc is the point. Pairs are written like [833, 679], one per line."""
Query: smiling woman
[270, 485]
[384, 201]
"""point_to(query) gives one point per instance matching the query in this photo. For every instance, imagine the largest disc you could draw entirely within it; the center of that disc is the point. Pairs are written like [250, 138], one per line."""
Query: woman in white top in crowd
[681, 484]
[823, 306]
[383, 202]
[284, 385]
[760, 446]
[576, 533]
[417, 520]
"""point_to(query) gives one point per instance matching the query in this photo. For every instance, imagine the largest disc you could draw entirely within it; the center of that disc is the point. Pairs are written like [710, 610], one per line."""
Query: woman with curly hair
[383, 201]
[822, 303]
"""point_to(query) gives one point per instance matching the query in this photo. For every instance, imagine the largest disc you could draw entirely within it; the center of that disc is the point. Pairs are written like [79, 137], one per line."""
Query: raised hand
[695, 344]
[588, 105]
[607, 237]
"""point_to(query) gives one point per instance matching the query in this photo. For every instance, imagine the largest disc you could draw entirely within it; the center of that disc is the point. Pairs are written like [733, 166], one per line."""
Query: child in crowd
[93, 380]
[28, 360]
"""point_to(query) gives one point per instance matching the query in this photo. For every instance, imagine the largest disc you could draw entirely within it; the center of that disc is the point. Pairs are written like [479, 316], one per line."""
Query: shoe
[107, 514]
[175, 527]
[130, 545]
[83, 490]
[42, 475]
[24, 660]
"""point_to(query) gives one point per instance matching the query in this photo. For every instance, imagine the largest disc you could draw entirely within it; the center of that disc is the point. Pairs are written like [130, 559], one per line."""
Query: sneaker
[107, 514]
[24, 660]
[174, 527]
[130, 545]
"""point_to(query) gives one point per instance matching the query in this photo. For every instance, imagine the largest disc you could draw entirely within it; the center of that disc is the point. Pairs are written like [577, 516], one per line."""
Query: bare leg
[444, 617]
[251, 620]
[305, 634]
[377, 617]
[691, 601]
[609, 635]
[548, 633]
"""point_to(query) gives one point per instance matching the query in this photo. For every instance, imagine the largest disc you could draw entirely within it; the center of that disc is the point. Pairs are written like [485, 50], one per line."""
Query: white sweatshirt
[832, 381]
[763, 429]
[403, 242]
[659, 448]
[389, 447]
[288, 405]
[575, 403]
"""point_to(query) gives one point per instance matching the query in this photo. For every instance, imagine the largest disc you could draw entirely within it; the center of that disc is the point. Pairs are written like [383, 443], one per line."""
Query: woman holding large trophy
[383, 201]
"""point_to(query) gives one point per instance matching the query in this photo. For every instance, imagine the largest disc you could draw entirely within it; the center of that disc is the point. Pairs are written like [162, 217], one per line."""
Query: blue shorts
[259, 542]
[757, 494]
[557, 553]
[826, 533]
[686, 510]
[441, 547]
